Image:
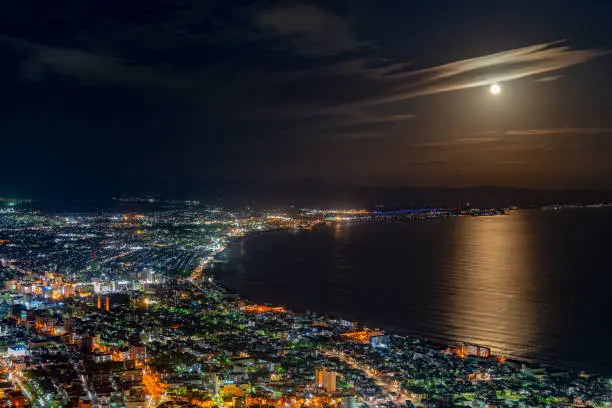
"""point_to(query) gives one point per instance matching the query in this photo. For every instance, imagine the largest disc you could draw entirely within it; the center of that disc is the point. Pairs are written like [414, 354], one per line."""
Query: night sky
[147, 95]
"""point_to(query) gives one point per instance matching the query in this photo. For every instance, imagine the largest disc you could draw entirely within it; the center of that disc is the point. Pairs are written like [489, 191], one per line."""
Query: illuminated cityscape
[306, 204]
[122, 310]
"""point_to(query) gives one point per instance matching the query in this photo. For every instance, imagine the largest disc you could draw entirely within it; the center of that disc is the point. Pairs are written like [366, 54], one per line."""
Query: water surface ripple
[532, 284]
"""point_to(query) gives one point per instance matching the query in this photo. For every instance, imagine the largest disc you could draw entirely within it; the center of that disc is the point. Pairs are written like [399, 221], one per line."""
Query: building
[130, 376]
[138, 351]
[67, 338]
[68, 290]
[85, 402]
[68, 324]
[86, 344]
[18, 400]
[349, 401]
[379, 341]
[102, 357]
[326, 379]
[17, 351]
[474, 350]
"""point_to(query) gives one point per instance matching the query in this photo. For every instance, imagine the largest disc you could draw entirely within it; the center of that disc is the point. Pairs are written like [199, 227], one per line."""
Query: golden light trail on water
[493, 280]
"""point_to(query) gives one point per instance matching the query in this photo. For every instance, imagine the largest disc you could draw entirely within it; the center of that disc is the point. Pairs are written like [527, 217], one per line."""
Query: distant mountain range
[316, 193]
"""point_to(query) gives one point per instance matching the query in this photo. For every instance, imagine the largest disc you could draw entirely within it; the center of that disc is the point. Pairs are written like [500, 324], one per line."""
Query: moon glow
[495, 89]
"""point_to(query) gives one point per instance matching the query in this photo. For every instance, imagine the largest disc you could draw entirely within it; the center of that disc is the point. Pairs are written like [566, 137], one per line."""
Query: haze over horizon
[109, 97]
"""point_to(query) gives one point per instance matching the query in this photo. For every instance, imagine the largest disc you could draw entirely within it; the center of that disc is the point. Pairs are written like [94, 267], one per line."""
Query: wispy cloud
[484, 144]
[516, 148]
[559, 131]
[457, 142]
[369, 119]
[428, 162]
[499, 143]
[473, 134]
[403, 83]
[358, 135]
[400, 117]
[360, 84]
[311, 30]
[518, 163]
[92, 68]
[549, 78]
[329, 98]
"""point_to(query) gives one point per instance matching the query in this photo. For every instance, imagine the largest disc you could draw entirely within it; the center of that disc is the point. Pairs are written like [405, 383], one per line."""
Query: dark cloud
[88, 67]
[339, 95]
[308, 30]
[276, 88]
[352, 88]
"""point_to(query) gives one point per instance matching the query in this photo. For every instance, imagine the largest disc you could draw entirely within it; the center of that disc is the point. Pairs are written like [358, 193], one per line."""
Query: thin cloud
[472, 134]
[368, 119]
[559, 131]
[485, 70]
[400, 117]
[324, 98]
[358, 135]
[549, 78]
[457, 142]
[428, 162]
[361, 83]
[484, 144]
[313, 31]
[519, 163]
[89, 67]
[516, 148]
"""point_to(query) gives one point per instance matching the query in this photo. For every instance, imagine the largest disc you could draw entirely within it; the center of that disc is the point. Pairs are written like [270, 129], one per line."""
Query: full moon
[495, 89]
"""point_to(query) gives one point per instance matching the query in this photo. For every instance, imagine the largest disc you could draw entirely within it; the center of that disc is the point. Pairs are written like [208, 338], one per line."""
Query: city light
[144, 322]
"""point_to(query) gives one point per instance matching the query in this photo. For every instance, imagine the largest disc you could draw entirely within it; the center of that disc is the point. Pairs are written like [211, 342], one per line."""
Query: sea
[533, 285]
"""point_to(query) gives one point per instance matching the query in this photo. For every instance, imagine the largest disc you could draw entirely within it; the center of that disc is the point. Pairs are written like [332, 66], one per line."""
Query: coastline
[434, 343]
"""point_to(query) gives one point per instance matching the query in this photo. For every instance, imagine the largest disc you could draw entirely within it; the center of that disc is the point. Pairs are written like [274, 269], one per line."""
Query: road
[26, 389]
[383, 381]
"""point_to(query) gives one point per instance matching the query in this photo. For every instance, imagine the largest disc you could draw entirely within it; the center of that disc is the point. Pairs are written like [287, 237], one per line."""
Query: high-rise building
[30, 316]
[86, 344]
[67, 338]
[349, 401]
[213, 383]
[68, 324]
[16, 311]
[326, 379]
